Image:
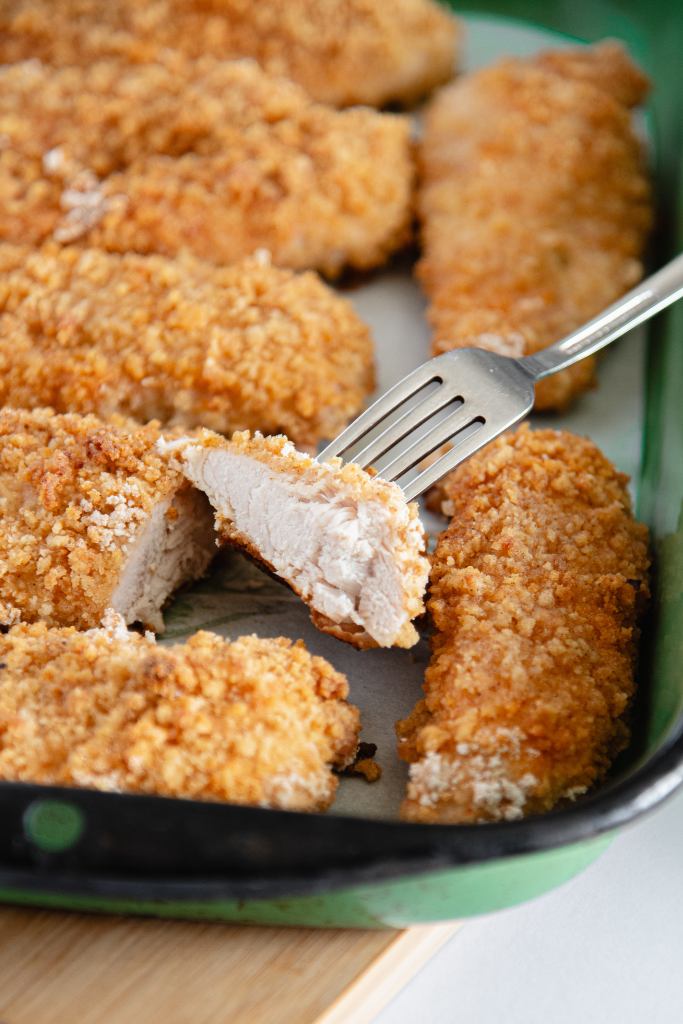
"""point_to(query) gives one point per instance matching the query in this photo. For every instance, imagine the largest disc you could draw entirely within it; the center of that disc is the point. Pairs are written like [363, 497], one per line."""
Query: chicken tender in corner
[214, 157]
[92, 517]
[536, 590]
[251, 722]
[534, 204]
[248, 346]
[348, 543]
[340, 51]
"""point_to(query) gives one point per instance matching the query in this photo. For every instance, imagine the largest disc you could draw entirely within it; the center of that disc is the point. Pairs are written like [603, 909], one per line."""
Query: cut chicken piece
[92, 517]
[252, 722]
[534, 203]
[536, 591]
[248, 346]
[341, 51]
[348, 543]
[217, 158]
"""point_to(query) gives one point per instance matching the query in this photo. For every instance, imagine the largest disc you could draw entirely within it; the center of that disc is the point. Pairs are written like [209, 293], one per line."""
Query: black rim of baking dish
[155, 848]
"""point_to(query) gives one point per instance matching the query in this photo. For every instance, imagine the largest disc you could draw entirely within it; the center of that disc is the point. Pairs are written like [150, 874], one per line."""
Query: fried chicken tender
[340, 51]
[92, 517]
[534, 204]
[252, 722]
[348, 543]
[214, 157]
[246, 346]
[537, 586]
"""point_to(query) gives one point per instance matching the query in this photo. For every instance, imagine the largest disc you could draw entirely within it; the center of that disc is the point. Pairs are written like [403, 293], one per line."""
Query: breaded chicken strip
[537, 586]
[341, 51]
[214, 157]
[246, 346]
[252, 722]
[348, 543]
[534, 204]
[92, 517]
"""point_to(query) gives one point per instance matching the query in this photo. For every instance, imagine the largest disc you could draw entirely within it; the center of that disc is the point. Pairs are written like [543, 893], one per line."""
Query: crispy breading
[347, 542]
[606, 65]
[340, 51]
[536, 589]
[215, 157]
[534, 204]
[245, 346]
[252, 722]
[81, 502]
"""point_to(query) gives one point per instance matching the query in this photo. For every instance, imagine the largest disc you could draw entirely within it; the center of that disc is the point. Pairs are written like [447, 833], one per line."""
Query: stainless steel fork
[480, 394]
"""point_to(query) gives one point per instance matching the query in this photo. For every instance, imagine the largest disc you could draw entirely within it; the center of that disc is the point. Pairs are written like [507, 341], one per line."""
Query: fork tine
[403, 426]
[380, 409]
[429, 442]
[461, 451]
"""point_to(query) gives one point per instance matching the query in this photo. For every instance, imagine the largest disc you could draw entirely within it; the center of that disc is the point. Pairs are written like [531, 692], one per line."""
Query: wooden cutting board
[58, 968]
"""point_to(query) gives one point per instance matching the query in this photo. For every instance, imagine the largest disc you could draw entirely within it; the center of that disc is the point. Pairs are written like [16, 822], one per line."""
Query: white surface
[606, 948]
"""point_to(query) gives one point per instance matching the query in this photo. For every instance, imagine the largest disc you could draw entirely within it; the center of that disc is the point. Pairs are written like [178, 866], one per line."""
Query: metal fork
[488, 393]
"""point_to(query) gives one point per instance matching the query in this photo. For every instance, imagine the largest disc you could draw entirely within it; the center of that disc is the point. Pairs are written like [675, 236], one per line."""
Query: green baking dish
[94, 851]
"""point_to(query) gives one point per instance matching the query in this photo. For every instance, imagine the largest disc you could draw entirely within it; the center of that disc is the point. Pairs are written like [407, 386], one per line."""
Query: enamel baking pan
[136, 854]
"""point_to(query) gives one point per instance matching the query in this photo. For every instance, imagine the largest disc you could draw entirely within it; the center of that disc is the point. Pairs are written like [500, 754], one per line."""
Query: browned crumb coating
[74, 492]
[536, 589]
[341, 51]
[248, 346]
[607, 65]
[252, 722]
[214, 157]
[534, 204]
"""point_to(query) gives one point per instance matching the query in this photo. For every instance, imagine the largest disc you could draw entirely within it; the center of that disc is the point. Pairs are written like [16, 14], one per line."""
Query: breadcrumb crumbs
[251, 722]
[74, 494]
[341, 51]
[367, 768]
[536, 590]
[214, 157]
[246, 346]
[534, 204]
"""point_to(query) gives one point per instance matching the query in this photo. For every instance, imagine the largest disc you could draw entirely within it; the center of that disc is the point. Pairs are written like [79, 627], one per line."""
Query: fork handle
[654, 293]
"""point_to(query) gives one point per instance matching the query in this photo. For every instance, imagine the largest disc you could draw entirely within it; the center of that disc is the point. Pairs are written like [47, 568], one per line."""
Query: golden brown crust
[343, 52]
[534, 204]
[253, 722]
[607, 65]
[279, 455]
[536, 590]
[74, 492]
[247, 346]
[214, 157]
